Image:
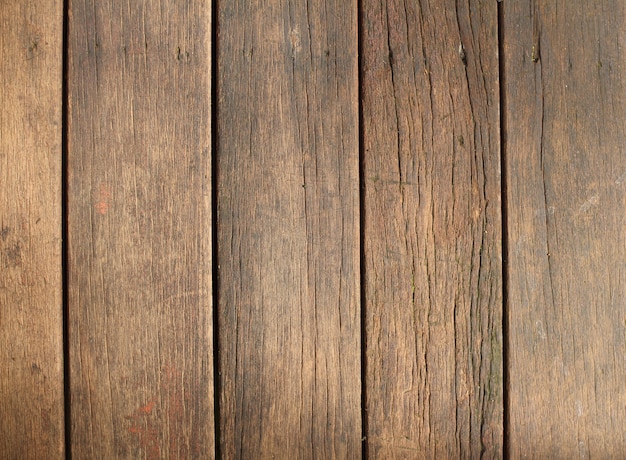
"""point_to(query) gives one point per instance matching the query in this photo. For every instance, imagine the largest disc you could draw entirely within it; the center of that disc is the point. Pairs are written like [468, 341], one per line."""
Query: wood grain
[31, 307]
[288, 229]
[565, 116]
[140, 295]
[432, 247]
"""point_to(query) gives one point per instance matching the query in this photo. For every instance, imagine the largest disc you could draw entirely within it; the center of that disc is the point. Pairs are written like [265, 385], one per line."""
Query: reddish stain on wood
[147, 409]
[131, 165]
[146, 429]
[103, 199]
[150, 427]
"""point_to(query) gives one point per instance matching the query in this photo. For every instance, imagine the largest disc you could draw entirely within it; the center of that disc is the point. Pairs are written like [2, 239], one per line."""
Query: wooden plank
[432, 248]
[31, 305]
[288, 229]
[565, 114]
[140, 294]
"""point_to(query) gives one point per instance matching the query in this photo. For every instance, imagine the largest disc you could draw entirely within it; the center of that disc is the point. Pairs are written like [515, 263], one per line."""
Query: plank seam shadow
[505, 243]
[214, 226]
[364, 422]
[65, 234]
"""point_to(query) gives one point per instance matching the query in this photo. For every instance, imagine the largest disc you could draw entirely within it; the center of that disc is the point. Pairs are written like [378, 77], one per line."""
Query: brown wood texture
[432, 236]
[288, 229]
[565, 148]
[139, 185]
[31, 304]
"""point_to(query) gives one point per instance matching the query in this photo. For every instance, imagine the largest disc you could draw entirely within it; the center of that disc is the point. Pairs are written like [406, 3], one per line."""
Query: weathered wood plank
[565, 116]
[432, 229]
[140, 229]
[31, 323]
[288, 229]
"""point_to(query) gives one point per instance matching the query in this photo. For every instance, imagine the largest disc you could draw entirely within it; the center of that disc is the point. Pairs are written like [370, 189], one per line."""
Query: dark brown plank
[432, 229]
[288, 229]
[140, 229]
[565, 116]
[31, 323]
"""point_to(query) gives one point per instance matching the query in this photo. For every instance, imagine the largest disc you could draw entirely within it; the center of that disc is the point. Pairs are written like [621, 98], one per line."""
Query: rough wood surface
[288, 229]
[432, 229]
[31, 329]
[140, 229]
[566, 155]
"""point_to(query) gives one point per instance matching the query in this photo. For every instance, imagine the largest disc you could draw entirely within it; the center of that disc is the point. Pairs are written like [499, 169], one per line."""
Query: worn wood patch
[565, 114]
[140, 229]
[288, 230]
[432, 247]
[31, 328]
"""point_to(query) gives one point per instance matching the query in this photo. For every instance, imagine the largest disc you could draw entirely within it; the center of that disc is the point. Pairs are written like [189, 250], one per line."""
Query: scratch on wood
[591, 202]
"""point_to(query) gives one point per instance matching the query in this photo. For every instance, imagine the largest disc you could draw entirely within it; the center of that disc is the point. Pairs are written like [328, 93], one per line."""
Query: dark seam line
[67, 409]
[505, 242]
[67, 412]
[364, 421]
[214, 226]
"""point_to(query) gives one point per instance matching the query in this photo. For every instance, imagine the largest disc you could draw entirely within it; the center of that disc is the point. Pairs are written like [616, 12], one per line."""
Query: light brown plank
[31, 310]
[432, 229]
[288, 229]
[140, 229]
[565, 116]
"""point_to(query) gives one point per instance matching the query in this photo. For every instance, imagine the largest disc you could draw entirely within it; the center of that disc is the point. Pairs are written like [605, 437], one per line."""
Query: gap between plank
[214, 223]
[505, 242]
[67, 408]
[364, 427]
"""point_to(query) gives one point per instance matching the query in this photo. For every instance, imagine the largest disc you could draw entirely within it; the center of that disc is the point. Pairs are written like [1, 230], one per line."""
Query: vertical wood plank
[431, 171]
[566, 154]
[288, 229]
[31, 306]
[140, 229]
